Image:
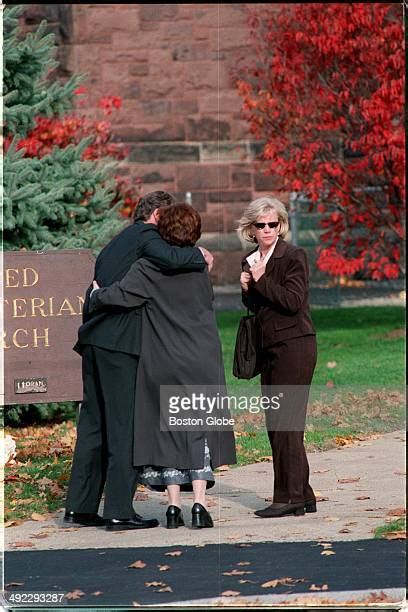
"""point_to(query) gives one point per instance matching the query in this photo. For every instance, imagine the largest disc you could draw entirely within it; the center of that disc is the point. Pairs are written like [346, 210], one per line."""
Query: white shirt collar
[256, 256]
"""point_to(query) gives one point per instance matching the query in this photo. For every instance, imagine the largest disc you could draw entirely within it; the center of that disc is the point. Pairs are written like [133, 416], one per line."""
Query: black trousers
[103, 457]
[290, 363]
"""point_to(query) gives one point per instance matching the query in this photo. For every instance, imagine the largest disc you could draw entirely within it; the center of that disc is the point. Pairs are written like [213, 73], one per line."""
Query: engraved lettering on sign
[11, 277]
[14, 278]
[19, 309]
[30, 277]
[30, 385]
[15, 339]
[27, 338]
[38, 336]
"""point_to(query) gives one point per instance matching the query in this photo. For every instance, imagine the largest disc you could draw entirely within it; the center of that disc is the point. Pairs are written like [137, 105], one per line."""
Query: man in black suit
[109, 343]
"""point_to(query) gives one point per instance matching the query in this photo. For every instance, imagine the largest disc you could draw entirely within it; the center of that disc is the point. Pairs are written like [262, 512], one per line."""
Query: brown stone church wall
[171, 64]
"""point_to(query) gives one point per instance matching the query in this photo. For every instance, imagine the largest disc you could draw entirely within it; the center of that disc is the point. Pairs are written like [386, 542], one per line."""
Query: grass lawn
[367, 346]
[367, 343]
[394, 530]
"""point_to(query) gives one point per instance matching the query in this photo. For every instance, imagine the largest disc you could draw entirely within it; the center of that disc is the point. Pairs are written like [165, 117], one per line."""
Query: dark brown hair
[179, 224]
[148, 203]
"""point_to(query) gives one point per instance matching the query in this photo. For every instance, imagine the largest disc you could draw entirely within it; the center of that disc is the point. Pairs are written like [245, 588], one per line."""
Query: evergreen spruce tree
[57, 201]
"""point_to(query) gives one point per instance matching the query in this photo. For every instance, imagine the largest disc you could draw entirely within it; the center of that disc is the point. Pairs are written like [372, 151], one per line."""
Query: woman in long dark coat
[275, 286]
[180, 346]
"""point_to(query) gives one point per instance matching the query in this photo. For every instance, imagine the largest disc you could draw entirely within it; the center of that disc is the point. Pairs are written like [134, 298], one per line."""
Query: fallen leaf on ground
[396, 512]
[163, 568]
[70, 529]
[175, 553]
[265, 458]
[345, 531]
[363, 497]
[236, 572]
[155, 583]
[39, 536]
[322, 499]
[13, 584]
[331, 519]
[345, 480]
[38, 517]
[166, 589]
[314, 587]
[223, 468]
[138, 565]
[12, 523]
[22, 544]
[97, 593]
[327, 552]
[344, 440]
[244, 563]
[245, 545]
[230, 593]
[396, 535]
[274, 583]
[141, 497]
[331, 364]
[76, 594]
[320, 471]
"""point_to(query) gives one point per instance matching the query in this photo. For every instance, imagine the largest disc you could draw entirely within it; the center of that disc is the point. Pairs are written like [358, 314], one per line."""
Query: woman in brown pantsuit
[275, 283]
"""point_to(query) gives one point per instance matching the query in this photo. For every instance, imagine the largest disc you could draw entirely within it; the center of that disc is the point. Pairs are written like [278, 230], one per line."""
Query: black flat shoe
[174, 517]
[137, 522]
[200, 517]
[276, 510]
[310, 506]
[87, 519]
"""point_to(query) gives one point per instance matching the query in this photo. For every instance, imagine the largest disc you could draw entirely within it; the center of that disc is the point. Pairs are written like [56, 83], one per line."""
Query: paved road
[199, 571]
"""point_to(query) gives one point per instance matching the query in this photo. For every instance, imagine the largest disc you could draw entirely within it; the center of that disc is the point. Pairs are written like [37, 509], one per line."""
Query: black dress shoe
[200, 517]
[276, 510]
[310, 506]
[137, 522]
[87, 519]
[174, 517]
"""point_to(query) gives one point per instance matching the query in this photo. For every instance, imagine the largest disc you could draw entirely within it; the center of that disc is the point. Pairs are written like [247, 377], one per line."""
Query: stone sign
[43, 297]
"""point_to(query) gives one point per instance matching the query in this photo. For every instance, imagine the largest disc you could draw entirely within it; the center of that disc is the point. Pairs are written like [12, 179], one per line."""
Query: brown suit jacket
[280, 297]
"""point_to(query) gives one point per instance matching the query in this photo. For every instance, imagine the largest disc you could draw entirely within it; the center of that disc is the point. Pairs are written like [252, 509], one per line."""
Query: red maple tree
[50, 132]
[325, 92]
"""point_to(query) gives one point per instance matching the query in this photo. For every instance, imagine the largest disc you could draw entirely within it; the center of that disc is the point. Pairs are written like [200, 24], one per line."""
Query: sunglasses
[271, 224]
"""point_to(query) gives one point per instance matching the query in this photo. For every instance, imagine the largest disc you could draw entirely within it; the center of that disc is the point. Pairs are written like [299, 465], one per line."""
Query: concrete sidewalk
[375, 469]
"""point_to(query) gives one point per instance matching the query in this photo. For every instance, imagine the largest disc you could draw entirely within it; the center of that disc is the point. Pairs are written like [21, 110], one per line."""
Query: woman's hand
[258, 270]
[95, 285]
[244, 280]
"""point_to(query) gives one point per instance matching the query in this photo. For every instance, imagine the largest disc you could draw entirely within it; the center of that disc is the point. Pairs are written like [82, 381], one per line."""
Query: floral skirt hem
[157, 477]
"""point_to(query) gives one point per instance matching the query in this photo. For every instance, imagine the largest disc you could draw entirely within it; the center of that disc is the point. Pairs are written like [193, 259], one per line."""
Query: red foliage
[326, 94]
[72, 129]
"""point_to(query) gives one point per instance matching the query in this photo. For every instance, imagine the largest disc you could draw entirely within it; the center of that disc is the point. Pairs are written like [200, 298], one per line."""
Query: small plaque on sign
[30, 385]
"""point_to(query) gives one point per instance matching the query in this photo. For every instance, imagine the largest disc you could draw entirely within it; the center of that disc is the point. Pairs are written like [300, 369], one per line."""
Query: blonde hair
[258, 207]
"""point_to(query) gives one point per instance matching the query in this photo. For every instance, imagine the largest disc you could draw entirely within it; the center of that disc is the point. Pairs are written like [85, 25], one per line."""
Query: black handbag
[247, 348]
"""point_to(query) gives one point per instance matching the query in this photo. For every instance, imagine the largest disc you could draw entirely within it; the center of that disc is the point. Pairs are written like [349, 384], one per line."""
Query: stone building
[171, 65]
